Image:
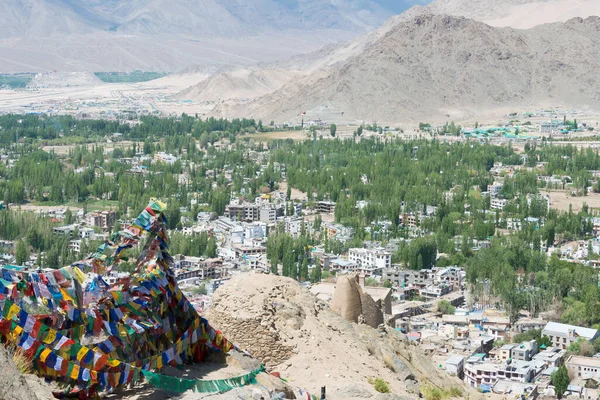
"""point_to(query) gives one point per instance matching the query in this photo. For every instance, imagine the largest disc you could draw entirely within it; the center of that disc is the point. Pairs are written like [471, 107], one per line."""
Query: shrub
[380, 385]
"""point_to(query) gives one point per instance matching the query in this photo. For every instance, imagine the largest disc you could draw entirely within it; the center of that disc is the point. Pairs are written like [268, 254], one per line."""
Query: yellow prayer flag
[113, 363]
[79, 275]
[65, 295]
[81, 353]
[45, 355]
[159, 362]
[75, 372]
[12, 311]
[50, 337]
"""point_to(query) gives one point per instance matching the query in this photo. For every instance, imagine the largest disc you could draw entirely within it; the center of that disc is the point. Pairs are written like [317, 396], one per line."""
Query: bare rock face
[15, 386]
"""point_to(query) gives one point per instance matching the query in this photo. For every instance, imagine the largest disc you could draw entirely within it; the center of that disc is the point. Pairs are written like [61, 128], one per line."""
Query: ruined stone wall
[256, 336]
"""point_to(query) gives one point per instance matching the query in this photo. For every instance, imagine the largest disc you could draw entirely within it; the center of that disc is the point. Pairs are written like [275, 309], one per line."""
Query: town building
[516, 390]
[246, 212]
[187, 267]
[165, 158]
[375, 260]
[552, 357]
[498, 204]
[494, 189]
[525, 351]
[270, 212]
[583, 367]
[101, 219]
[479, 373]
[562, 335]
[455, 365]
[325, 207]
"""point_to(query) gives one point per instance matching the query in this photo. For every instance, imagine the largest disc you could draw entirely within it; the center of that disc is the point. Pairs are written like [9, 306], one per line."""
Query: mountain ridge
[439, 65]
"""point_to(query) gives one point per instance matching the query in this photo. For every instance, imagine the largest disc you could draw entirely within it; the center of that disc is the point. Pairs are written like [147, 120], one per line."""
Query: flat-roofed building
[562, 335]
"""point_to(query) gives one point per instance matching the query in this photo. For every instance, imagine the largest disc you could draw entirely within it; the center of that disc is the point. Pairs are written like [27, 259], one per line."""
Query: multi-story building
[241, 251]
[450, 275]
[494, 189]
[488, 373]
[562, 335]
[376, 260]
[435, 291]
[196, 267]
[325, 207]
[270, 212]
[246, 212]
[455, 365]
[101, 219]
[498, 204]
[525, 351]
[552, 357]
[584, 367]
[503, 353]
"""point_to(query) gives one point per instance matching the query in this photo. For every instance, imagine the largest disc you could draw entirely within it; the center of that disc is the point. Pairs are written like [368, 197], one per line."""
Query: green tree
[304, 270]
[211, 248]
[68, 217]
[359, 131]
[22, 252]
[444, 307]
[560, 380]
[316, 273]
[332, 130]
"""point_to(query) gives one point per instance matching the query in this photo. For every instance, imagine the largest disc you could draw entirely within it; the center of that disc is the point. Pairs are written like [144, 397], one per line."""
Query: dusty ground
[560, 200]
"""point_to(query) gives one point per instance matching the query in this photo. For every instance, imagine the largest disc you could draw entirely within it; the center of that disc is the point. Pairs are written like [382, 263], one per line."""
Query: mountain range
[440, 66]
[120, 35]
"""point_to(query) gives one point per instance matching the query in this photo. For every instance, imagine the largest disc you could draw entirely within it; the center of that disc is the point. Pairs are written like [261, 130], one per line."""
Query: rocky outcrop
[352, 303]
[298, 336]
[16, 386]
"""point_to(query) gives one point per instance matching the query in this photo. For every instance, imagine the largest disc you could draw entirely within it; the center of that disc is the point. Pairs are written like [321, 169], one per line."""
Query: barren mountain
[522, 14]
[239, 84]
[100, 35]
[437, 65]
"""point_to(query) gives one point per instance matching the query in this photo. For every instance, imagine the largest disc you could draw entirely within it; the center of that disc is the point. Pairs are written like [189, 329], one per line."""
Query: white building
[498, 204]
[562, 335]
[494, 189]
[377, 259]
[455, 365]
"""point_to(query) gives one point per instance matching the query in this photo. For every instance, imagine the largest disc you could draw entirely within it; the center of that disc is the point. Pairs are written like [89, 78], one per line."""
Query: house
[455, 365]
[515, 390]
[525, 351]
[450, 275]
[584, 367]
[525, 324]
[562, 335]
[504, 353]
[553, 357]
[165, 158]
